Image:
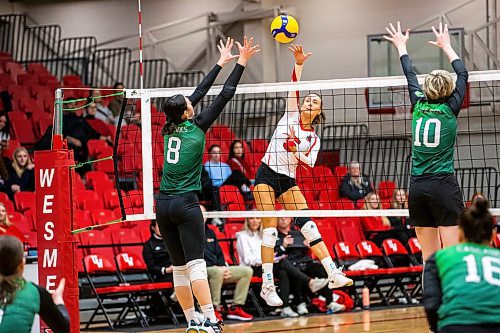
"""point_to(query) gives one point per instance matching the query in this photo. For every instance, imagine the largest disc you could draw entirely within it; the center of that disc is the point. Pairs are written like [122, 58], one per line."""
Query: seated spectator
[208, 193]
[292, 244]
[219, 273]
[6, 227]
[4, 176]
[157, 259]
[237, 162]
[156, 256]
[4, 130]
[248, 244]
[103, 112]
[374, 223]
[97, 124]
[218, 171]
[20, 300]
[21, 173]
[355, 186]
[116, 103]
[400, 224]
[461, 280]
[221, 174]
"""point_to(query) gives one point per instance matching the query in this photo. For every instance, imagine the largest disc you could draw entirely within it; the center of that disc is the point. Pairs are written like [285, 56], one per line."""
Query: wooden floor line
[342, 324]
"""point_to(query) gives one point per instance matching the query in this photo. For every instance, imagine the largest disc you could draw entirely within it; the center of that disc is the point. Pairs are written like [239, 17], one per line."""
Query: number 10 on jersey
[435, 137]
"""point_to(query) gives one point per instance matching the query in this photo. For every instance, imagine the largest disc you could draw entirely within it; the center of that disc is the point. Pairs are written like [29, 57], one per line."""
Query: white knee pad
[310, 231]
[197, 270]
[181, 277]
[269, 236]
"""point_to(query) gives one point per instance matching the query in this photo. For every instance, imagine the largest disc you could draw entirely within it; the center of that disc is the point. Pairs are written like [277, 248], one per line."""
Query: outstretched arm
[209, 79]
[432, 292]
[206, 118]
[443, 42]
[400, 40]
[300, 58]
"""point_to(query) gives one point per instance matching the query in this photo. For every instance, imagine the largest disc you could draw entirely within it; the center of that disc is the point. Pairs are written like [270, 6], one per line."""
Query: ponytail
[477, 222]
[174, 108]
[9, 286]
[169, 127]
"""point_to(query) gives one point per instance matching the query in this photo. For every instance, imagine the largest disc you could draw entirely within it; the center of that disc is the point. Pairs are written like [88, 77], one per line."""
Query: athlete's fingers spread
[446, 28]
[393, 29]
[435, 31]
[239, 45]
[407, 34]
[440, 27]
[399, 26]
[389, 38]
[389, 31]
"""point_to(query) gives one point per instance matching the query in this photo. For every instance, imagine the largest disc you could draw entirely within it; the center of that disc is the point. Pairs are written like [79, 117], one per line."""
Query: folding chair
[106, 285]
[132, 270]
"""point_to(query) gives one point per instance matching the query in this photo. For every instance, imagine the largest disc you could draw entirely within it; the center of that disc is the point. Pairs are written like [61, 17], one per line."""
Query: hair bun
[480, 207]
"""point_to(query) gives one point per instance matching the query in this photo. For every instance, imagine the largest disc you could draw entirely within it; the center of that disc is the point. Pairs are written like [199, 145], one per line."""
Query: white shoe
[193, 327]
[302, 308]
[268, 293]
[317, 284]
[208, 327]
[337, 279]
[336, 307]
[288, 312]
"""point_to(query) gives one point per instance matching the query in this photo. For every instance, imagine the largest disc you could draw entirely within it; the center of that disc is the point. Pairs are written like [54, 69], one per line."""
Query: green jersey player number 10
[430, 141]
[173, 148]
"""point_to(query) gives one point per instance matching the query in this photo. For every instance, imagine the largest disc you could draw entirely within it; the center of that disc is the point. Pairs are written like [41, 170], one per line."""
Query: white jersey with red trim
[277, 157]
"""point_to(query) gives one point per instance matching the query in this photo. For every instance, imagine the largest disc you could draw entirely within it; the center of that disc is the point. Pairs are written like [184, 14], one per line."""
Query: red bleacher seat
[37, 69]
[122, 237]
[395, 253]
[346, 253]
[350, 229]
[83, 218]
[92, 237]
[9, 150]
[9, 206]
[259, 145]
[415, 249]
[4, 197]
[341, 171]
[24, 200]
[111, 200]
[86, 194]
[99, 248]
[20, 221]
[107, 165]
[232, 229]
[96, 147]
[103, 185]
[101, 216]
[31, 218]
[24, 131]
[92, 203]
[386, 189]
[232, 200]
[27, 80]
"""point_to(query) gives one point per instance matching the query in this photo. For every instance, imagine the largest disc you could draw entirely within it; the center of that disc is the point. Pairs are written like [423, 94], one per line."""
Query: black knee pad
[300, 221]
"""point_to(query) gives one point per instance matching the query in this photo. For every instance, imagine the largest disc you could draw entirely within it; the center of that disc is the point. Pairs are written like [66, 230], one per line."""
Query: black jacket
[156, 256]
[295, 255]
[348, 190]
[213, 252]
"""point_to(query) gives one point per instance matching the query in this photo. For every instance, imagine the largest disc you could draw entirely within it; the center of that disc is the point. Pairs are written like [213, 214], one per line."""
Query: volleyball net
[368, 121]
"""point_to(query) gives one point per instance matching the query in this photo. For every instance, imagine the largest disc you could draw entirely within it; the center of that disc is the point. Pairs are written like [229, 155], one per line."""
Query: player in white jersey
[294, 144]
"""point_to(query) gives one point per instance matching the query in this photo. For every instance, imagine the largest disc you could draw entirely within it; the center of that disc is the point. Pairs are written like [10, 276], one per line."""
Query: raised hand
[247, 50]
[225, 51]
[298, 53]
[57, 295]
[442, 37]
[397, 37]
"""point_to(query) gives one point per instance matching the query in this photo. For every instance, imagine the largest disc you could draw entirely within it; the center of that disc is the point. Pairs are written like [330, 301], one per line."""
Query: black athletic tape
[314, 242]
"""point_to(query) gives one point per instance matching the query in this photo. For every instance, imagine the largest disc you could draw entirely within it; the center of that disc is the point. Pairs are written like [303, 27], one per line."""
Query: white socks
[328, 264]
[208, 312]
[267, 274]
[190, 314]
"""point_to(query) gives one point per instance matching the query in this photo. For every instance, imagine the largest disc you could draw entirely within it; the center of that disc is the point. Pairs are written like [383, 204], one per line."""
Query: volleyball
[284, 28]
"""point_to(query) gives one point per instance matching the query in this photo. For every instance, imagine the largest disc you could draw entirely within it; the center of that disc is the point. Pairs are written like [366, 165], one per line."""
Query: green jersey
[182, 159]
[470, 284]
[434, 128]
[18, 316]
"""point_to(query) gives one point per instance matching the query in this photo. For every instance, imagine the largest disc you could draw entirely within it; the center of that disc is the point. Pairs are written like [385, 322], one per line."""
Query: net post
[57, 137]
[57, 247]
[147, 155]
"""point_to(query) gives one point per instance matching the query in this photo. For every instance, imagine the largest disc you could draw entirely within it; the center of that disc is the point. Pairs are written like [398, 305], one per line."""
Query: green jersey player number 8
[173, 148]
